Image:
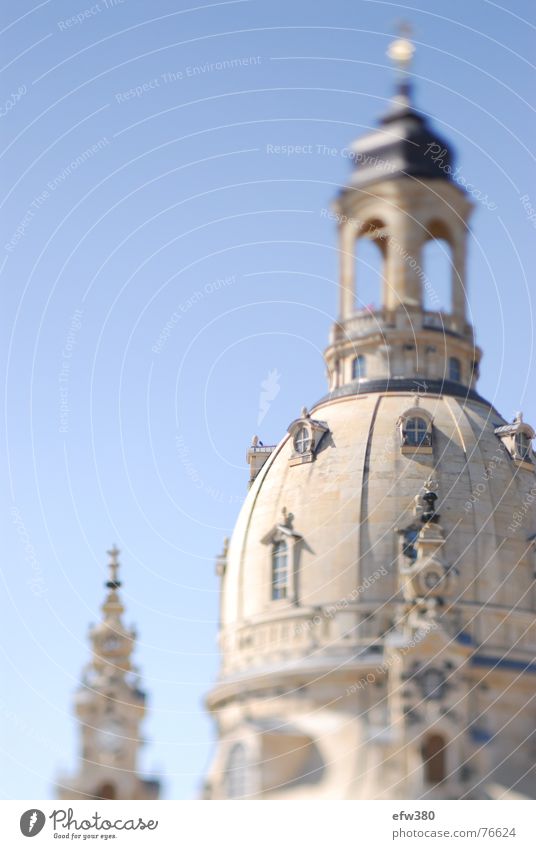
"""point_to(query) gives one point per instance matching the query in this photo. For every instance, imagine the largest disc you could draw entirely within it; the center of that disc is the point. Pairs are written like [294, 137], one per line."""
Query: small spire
[113, 582]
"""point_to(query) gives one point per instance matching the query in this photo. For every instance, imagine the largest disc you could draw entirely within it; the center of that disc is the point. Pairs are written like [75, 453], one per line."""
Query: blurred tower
[378, 600]
[110, 707]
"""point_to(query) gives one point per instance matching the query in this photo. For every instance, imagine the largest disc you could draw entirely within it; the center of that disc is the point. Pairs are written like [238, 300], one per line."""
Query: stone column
[347, 271]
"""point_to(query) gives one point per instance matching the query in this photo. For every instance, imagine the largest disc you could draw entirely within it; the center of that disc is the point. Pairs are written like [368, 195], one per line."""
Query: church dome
[344, 516]
[377, 595]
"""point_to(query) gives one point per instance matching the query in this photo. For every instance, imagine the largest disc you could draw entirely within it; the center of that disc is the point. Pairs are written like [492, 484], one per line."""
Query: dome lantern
[400, 196]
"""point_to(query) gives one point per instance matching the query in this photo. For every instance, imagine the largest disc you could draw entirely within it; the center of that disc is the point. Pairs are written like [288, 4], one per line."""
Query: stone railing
[365, 322]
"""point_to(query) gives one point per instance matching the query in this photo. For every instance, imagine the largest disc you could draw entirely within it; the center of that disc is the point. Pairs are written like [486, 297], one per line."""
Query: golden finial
[113, 583]
[401, 50]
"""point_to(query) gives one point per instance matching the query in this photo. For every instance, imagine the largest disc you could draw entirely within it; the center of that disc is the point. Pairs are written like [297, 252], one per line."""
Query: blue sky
[141, 191]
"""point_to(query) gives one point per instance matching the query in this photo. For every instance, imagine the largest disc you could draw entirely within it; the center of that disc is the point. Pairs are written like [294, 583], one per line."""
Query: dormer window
[523, 446]
[302, 440]
[517, 439]
[455, 370]
[415, 430]
[359, 367]
[306, 436]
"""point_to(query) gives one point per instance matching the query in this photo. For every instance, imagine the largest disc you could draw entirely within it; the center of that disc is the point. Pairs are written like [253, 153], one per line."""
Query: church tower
[378, 594]
[109, 706]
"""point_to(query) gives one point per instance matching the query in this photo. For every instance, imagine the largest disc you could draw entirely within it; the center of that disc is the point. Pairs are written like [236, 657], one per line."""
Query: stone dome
[348, 508]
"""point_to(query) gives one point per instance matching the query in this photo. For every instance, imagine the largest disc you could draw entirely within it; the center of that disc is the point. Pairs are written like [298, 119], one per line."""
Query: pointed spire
[110, 705]
[112, 607]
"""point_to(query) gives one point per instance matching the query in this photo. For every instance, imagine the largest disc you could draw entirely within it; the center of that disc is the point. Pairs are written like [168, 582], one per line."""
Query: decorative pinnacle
[402, 49]
[113, 582]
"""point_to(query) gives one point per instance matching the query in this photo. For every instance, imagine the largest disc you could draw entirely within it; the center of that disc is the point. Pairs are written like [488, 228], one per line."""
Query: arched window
[455, 369]
[236, 772]
[433, 755]
[416, 432]
[523, 446]
[415, 428]
[359, 367]
[279, 570]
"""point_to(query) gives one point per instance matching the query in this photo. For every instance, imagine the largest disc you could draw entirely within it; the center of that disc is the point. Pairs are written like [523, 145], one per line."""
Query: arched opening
[437, 268]
[106, 791]
[371, 249]
[433, 751]
[359, 367]
[236, 772]
[279, 570]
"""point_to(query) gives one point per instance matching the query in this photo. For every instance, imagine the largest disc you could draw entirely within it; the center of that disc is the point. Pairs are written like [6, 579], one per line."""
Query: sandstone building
[378, 592]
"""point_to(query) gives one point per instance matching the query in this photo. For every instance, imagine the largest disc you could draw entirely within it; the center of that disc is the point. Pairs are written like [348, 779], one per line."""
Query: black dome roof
[403, 145]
